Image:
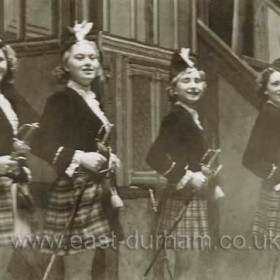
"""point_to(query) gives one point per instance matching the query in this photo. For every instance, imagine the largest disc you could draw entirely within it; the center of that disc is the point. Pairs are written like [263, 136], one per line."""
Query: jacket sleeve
[46, 142]
[255, 158]
[158, 156]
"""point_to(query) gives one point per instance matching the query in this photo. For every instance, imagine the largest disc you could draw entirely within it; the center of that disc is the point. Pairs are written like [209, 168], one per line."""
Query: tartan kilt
[6, 211]
[266, 222]
[90, 227]
[192, 230]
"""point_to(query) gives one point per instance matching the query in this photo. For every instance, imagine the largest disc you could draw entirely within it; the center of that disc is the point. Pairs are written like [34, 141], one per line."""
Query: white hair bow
[81, 30]
[185, 54]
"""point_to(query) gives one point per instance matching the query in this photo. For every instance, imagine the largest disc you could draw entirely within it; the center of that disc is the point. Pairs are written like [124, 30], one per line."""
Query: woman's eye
[92, 57]
[275, 84]
[79, 57]
[197, 80]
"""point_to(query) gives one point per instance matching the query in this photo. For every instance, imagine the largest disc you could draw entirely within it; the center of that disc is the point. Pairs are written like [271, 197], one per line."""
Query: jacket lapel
[82, 110]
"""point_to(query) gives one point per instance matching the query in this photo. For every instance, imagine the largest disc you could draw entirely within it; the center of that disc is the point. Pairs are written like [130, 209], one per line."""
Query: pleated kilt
[6, 211]
[266, 222]
[192, 230]
[89, 229]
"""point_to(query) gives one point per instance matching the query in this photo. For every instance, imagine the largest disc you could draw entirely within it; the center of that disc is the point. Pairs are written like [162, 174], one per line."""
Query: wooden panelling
[39, 18]
[184, 21]
[260, 31]
[120, 18]
[138, 74]
[237, 70]
[150, 20]
[203, 10]
[166, 24]
[273, 33]
[141, 90]
[140, 20]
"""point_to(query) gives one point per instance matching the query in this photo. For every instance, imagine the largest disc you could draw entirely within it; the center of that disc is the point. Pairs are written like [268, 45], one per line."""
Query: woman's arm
[46, 141]
[262, 145]
[159, 157]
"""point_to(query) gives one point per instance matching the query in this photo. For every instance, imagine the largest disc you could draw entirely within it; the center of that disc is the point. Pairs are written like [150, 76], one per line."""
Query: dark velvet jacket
[6, 131]
[180, 142]
[67, 122]
[263, 148]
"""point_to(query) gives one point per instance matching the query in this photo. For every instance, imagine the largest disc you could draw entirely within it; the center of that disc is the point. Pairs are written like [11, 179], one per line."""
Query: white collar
[90, 98]
[10, 114]
[79, 88]
[193, 113]
[186, 107]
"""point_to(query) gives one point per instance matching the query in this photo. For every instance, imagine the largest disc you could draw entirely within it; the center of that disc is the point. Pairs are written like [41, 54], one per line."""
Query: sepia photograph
[139, 139]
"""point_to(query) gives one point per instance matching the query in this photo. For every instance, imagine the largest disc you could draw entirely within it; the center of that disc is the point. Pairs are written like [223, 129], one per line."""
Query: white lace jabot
[10, 114]
[90, 98]
[193, 113]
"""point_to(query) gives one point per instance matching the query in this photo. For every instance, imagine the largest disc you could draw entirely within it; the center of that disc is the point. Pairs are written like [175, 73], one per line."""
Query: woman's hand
[198, 180]
[277, 188]
[114, 162]
[7, 164]
[92, 161]
[20, 147]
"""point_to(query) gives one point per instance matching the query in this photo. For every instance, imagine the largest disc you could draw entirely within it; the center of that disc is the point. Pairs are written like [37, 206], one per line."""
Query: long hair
[10, 56]
[262, 82]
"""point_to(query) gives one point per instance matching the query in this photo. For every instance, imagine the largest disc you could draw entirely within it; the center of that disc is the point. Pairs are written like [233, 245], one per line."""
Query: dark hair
[262, 82]
[10, 56]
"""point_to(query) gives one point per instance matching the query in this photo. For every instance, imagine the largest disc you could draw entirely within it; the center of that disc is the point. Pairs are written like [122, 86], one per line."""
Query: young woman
[70, 127]
[176, 154]
[11, 225]
[262, 155]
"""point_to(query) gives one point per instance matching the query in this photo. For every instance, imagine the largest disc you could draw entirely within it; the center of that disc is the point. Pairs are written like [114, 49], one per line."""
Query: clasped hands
[197, 180]
[94, 161]
[7, 164]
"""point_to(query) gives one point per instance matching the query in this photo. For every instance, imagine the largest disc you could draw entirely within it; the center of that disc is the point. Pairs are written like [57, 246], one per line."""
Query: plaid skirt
[266, 222]
[6, 211]
[90, 227]
[192, 230]
[16, 223]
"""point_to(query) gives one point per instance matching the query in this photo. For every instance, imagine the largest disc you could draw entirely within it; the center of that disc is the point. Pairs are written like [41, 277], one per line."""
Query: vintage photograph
[139, 139]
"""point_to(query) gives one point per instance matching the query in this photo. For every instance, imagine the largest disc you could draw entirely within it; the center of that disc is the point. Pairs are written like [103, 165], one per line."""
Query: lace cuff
[76, 160]
[184, 180]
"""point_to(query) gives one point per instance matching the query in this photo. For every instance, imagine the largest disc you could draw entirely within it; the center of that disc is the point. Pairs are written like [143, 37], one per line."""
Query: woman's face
[3, 65]
[189, 87]
[273, 88]
[82, 63]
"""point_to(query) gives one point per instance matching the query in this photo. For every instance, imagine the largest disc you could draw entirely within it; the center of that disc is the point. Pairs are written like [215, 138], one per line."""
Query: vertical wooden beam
[261, 45]
[2, 17]
[56, 19]
[176, 24]
[22, 19]
[73, 10]
[64, 14]
[106, 15]
[133, 19]
[155, 104]
[120, 117]
[149, 21]
[194, 25]
[238, 25]
[128, 76]
[203, 11]
[96, 14]
[156, 22]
